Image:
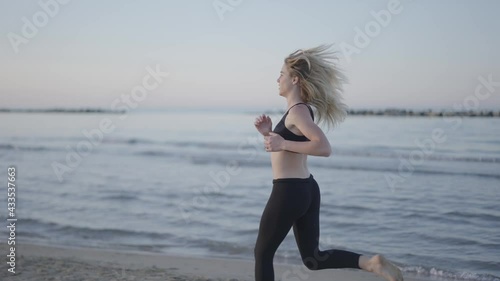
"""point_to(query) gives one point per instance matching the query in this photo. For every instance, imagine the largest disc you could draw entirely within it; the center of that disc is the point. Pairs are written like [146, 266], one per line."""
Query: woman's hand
[263, 124]
[273, 142]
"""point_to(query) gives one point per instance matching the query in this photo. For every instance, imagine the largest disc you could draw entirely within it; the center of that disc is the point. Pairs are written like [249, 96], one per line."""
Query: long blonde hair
[320, 80]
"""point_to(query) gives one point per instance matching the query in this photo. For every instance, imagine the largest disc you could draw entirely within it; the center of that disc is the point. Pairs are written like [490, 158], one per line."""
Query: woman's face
[284, 81]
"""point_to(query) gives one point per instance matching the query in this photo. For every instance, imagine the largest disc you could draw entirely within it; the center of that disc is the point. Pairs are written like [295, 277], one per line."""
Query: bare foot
[381, 266]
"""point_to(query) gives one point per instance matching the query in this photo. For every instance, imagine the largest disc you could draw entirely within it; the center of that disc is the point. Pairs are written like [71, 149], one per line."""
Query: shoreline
[489, 113]
[45, 262]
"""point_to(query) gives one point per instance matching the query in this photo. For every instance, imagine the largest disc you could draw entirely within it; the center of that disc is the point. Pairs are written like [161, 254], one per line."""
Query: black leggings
[295, 202]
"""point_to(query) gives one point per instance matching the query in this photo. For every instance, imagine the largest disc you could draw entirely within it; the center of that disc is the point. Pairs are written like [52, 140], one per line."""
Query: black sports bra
[283, 131]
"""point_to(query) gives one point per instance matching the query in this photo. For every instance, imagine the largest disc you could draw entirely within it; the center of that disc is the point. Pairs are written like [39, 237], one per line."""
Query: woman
[307, 77]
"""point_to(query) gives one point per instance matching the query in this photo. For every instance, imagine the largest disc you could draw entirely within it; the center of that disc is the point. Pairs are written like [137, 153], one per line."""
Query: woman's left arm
[318, 145]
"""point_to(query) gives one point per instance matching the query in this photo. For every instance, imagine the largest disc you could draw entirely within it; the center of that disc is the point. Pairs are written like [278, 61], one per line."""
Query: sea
[423, 191]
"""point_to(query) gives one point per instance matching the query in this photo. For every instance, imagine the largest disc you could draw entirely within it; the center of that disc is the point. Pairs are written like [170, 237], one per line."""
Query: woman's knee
[313, 260]
[263, 251]
[259, 251]
[311, 263]
[256, 251]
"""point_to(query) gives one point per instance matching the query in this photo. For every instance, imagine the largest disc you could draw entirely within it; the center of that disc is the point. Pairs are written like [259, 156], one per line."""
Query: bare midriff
[286, 164]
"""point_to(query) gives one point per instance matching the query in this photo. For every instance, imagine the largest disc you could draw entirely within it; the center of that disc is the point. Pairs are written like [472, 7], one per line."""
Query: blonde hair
[320, 81]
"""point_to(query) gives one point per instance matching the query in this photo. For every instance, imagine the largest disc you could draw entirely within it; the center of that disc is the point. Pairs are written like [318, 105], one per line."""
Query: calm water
[423, 191]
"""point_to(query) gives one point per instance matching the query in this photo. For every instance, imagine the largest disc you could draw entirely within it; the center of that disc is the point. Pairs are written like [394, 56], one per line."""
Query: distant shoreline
[62, 110]
[421, 113]
[430, 113]
[362, 112]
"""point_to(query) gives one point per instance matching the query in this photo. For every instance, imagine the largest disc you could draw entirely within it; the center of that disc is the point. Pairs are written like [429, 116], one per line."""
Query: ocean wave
[120, 197]
[222, 153]
[452, 239]
[224, 247]
[157, 153]
[378, 152]
[481, 216]
[25, 147]
[394, 168]
[214, 157]
[451, 217]
[39, 226]
[387, 153]
[449, 275]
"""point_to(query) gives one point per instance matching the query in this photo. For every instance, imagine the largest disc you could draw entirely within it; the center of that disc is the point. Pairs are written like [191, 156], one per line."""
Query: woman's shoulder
[301, 109]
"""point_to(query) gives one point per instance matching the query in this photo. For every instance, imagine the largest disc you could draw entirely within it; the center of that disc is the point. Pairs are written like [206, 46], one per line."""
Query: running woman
[308, 77]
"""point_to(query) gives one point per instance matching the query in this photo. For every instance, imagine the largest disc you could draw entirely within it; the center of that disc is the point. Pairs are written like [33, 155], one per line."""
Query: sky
[228, 53]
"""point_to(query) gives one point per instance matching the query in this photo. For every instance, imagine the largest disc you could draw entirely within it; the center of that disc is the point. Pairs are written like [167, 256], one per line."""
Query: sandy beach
[37, 262]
